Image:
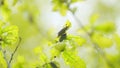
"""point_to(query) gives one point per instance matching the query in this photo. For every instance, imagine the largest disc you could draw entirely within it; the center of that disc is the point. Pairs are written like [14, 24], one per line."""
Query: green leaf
[117, 40]
[63, 9]
[58, 48]
[55, 7]
[102, 41]
[6, 12]
[37, 50]
[73, 60]
[14, 2]
[20, 63]
[94, 18]
[8, 34]
[106, 27]
[76, 39]
[73, 1]
[61, 6]
[42, 57]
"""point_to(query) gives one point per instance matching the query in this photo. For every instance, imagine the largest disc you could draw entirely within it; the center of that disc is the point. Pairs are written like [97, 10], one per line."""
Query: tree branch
[12, 55]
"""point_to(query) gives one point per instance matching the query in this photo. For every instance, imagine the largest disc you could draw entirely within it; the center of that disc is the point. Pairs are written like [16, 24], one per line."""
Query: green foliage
[44, 61]
[77, 40]
[117, 41]
[94, 18]
[67, 49]
[73, 1]
[20, 62]
[43, 58]
[63, 5]
[5, 12]
[74, 50]
[14, 2]
[57, 49]
[8, 34]
[73, 60]
[102, 41]
[60, 5]
[105, 27]
[100, 33]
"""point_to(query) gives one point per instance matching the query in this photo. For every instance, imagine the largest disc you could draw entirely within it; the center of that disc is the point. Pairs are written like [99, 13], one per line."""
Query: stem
[99, 50]
[12, 55]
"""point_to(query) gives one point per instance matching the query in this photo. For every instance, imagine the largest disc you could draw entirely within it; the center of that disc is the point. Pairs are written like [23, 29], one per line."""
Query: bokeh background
[39, 25]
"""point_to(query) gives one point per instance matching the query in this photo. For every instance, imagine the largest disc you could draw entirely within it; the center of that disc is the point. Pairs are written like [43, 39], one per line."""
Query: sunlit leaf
[57, 49]
[94, 18]
[102, 41]
[6, 12]
[117, 40]
[8, 34]
[41, 55]
[105, 27]
[63, 9]
[55, 7]
[73, 1]
[61, 6]
[20, 62]
[77, 39]
[37, 50]
[73, 60]
[15, 1]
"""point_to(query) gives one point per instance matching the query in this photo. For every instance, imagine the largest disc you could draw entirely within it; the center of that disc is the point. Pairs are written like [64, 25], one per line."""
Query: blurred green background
[39, 25]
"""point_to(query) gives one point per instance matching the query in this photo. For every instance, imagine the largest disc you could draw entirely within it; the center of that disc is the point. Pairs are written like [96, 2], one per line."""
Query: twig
[12, 55]
[99, 50]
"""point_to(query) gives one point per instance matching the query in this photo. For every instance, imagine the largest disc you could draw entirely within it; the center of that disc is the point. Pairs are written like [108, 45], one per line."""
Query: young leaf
[76, 39]
[20, 62]
[63, 9]
[73, 60]
[73, 1]
[105, 27]
[58, 48]
[61, 6]
[8, 34]
[117, 40]
[42, 57]
[102, 41]
[94, 18]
